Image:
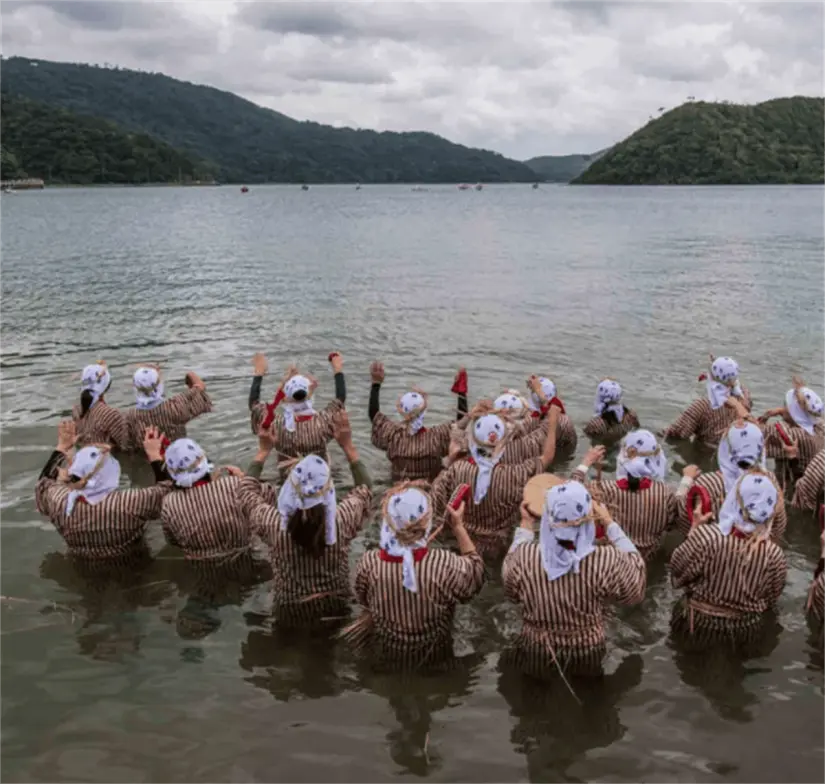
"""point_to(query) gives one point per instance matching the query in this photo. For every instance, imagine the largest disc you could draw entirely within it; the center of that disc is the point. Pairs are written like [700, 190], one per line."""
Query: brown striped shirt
[101, 425]
[302, 584]
[207, 521]
[599, 428]
[407, 624]
[416, 456]
[490, 523]
[530, 434]
[112, 528]
[811, 487]
[569, 612]
[715, 485]
[727, 571]
[170, 417]
[701, 422]
[809, 445]
[816, 599]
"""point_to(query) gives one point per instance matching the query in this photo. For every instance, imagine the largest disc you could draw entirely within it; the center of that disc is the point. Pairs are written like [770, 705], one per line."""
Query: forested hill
[247, 142]
[561, 168]
[59, 146]
[779, 141]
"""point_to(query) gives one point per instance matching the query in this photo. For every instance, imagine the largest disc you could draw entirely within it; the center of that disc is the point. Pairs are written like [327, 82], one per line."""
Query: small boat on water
[244, 189]
[419, 189]
[305, 187]
[464, 186]
[478, 186]
[535, 186]
[358, 186]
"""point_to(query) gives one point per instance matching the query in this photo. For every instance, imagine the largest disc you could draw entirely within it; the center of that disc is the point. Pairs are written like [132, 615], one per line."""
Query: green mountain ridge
[561, 168]
[699, 143]
[244, 142]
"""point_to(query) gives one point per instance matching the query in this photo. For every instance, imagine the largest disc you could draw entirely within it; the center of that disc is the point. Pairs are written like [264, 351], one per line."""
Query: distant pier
[23, 185]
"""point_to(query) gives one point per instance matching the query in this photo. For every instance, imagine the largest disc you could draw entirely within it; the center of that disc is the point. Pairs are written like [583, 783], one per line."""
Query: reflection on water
[164, 670]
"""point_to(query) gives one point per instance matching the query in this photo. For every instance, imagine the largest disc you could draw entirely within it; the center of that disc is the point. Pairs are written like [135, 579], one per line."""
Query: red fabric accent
[471, 460]
[697, 492]
[460, 385]
[164, 443]
[270, 409]
[624, 484]
[201, 482]
[303, 418]
[554, 402]
[740, 534]
[601, 533]
[703, 377]
[422, 430]
[81, 500]
[783, 434]
[418, 555]
[333, 354]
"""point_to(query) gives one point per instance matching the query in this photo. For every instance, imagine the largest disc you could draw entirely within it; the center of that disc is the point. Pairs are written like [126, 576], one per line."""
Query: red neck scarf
[644, 484]
[418, 555]
[270, 411]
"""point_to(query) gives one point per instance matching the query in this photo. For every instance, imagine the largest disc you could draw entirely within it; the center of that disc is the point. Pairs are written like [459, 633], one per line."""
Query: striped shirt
[811, 487]
[568, 612]
[112, 528]
[808, 445]
[490, 523]
[206, 521]
[699, 420]
[416, 456]
[101, 425]
[170, 417]
[816, 599]
[305, 588]
[530, 434]
[599, 428]
[715, 485]
[406, 625]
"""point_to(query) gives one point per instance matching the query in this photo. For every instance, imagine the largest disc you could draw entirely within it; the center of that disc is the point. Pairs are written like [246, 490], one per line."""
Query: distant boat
[244, 189]
[305, 187]
[358, 186]
[464, 186]
[535, 186]
[419, 189]
[478, 186]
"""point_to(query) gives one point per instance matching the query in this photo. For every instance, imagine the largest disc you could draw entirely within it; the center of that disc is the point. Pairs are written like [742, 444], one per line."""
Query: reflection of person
[612, 418]
[96, 421]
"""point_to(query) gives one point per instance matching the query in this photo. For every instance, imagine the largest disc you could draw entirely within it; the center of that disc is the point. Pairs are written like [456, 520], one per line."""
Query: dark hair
[300, 395]
[306, 527]
[86, 400]
[633, 483]
[745, 464]
[610, 417]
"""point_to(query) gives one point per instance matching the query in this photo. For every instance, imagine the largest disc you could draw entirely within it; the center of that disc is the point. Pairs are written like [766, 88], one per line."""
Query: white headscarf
[294, 408]
[512, 401]
[608, 398]
[758, 496]
[549, 390]
[103, 473]
[406, 507]
[308, 485]
[484, 439]
[186, 462]
[723, 381]
[562, 504]
[148, 388]
[807, 415]
[411, 406]
[740, 443]
[96, 379]
[641, 456]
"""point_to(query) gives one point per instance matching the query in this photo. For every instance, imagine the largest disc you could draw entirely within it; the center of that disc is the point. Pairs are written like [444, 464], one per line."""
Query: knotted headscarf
[485, 439]
[566, 518]
[98, 475]
[513, 402]
[549, 390]
[292, 407]
[96, 379]
[309, 484]
[148, 388]
[186, 462]
[752, 502]
[405, 527]
[805, 408]
[641, 456]
[411, 406]
[723, 381]
[740, 444]
[608, 398]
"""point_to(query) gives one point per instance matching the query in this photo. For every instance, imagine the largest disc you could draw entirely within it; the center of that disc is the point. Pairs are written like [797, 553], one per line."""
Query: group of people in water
[469, 495]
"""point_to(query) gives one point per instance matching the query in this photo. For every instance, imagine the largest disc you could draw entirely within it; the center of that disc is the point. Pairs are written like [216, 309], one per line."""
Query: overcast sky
[521, 78]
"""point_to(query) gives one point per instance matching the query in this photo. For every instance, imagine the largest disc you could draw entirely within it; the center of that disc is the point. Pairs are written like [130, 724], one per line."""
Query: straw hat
[536, 489]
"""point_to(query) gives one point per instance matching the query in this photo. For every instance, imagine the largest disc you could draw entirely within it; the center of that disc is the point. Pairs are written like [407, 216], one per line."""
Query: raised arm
[342, 431]
[337, 363]
[47, 482]
[460, 390]
[687, 424]
[549, 452]
[259, 370]
[377, 378]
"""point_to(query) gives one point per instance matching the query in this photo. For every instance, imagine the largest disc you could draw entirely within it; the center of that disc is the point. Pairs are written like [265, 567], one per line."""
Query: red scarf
[270, 411]
[460, 385]
[418, 555]
[644, 484]
[546, 408]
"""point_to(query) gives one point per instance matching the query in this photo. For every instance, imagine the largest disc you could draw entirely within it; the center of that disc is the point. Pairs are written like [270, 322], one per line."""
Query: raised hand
[194, 381]
[153, 443]
[342, 429]
[66, 435]
[260, 367]
[377, 372]
[337, 362]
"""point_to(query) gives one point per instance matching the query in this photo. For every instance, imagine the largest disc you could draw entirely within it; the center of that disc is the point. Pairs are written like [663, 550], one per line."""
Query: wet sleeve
[375, 401]
[340, 387]
[255, 391]
[360, 474]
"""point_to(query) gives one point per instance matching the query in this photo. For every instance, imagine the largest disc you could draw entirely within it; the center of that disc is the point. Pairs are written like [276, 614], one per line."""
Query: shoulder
[334, 406]
[359, 495]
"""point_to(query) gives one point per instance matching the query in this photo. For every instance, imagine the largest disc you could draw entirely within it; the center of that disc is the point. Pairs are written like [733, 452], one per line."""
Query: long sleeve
[442, 490]
[340, 387]
[190, 404]
[688, 423]
[255, 392]
[461, 406]
[119, 432]
[362, 582]
[627, 577]
[382, 430]
[352, 512]
[809, 489]
[52, 465]
[375, 401]
[511, 572]
[360, 474]
[160, 472]
[467, 578]
[672, 512]
[687, 560]
[778, 576]
[44, 493]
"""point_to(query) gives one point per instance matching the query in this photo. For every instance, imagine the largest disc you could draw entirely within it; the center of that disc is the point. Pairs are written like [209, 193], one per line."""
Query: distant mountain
[779, 141]
[245, 142]
[59, 146]
[561, 168]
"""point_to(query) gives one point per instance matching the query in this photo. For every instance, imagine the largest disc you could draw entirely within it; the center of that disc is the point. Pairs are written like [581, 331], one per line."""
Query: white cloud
[522, 78]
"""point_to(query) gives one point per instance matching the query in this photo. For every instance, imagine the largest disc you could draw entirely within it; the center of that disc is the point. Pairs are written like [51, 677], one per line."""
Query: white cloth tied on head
[96, 379]
[148, 388]
[406, 507]
[186, 462]
[562, 504]
[106, 476]
[608, 398]
[485, 436]
[308, 485]
[412, 406]
[759, 498]
[548, 388]
[740, 444]
[641, 456]
[723, 381]
[804, 415]
[293, 408]
[512, 401]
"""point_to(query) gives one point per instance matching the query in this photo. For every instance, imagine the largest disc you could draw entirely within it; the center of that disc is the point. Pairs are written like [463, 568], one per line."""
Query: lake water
[114, 682]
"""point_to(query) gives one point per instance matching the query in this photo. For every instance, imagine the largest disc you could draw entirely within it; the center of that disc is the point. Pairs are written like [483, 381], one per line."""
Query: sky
[522, 78]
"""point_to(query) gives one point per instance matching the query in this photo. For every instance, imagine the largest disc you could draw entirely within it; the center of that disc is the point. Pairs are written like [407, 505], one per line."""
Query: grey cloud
[95, 15]
[341, 74]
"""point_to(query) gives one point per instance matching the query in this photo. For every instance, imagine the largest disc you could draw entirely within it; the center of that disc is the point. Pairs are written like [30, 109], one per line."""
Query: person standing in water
[810, 489]
[301, 430]
[95, 421]
[707, 419]
[169, 415]
[613, 419]
[414, 451]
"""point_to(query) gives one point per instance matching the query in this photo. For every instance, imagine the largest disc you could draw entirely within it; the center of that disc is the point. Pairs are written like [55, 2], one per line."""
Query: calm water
[145, 680]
